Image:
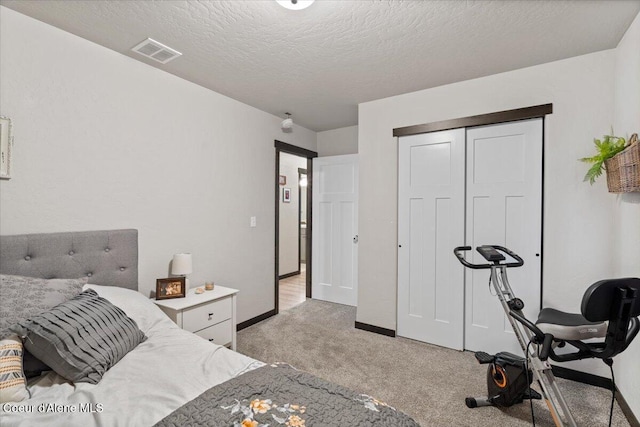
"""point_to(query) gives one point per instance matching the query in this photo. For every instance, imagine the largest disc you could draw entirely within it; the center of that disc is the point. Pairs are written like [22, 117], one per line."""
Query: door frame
[283, 147]
[301, 171]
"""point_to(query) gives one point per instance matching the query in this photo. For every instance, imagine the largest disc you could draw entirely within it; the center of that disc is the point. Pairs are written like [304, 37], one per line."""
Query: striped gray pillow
[81, 338]
[13, 385]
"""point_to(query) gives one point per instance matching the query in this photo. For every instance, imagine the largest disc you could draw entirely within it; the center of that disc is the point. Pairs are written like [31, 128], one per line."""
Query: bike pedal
[532, 394]
[483, 357]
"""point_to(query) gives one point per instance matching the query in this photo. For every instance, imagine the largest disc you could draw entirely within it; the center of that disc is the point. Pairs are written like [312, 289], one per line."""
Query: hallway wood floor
[292, 290]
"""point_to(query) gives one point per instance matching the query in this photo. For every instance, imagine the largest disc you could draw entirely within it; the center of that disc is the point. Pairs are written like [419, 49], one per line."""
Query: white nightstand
[210, 315]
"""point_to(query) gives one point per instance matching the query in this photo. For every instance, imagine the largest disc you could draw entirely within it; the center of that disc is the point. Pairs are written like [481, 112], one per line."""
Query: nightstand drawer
[220, 334]
[202, 316]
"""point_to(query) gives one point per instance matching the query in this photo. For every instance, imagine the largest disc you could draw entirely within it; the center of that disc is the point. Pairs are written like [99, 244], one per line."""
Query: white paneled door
[475, 186]
[504, 197]
[335, 229]
[430, 225]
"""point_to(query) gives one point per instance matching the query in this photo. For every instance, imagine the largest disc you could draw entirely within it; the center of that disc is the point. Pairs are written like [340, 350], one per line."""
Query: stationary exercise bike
[610, 310]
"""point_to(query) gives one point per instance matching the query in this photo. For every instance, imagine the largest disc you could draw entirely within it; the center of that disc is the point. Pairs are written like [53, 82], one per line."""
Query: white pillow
[13, 385]
[146, 314]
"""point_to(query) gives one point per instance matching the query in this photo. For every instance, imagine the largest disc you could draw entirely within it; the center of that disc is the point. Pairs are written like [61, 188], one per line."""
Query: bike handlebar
[483, 251]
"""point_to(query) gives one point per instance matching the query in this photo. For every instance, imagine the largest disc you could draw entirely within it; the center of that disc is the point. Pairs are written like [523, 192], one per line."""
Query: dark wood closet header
[480, 120]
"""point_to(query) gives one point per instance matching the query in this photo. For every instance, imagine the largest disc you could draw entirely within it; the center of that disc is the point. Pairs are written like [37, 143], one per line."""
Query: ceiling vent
[156, 51]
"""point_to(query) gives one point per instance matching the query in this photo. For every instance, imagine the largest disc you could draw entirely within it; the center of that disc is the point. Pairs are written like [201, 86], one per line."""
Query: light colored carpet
[425, 381]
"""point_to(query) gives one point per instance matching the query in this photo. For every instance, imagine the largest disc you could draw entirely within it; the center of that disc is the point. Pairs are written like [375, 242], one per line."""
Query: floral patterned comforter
[278, 395]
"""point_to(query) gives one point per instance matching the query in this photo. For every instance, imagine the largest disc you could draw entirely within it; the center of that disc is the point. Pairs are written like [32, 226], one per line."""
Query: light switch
[253, 221]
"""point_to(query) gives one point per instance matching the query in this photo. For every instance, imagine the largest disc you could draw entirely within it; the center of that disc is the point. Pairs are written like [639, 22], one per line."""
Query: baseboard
[597, 381]
[626, 410]
[293, 273]
[254, 320]
[375, 329]
[581, 377]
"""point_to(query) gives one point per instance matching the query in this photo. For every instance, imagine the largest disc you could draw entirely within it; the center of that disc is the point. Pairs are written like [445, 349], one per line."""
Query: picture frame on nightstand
[171, 287]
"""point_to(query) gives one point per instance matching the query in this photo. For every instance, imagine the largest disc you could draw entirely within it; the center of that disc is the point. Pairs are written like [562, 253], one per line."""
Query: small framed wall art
[172, 287]
[6, 146]
[286, 195]
[283, 180]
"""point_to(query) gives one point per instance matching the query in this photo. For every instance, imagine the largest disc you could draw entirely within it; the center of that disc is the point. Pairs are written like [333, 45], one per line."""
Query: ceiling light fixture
[295, 4]
[287, 123]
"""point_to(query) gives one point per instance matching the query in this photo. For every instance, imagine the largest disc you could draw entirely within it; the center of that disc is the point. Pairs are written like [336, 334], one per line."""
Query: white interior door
[335, 229]
[504, 199]
[430, 225]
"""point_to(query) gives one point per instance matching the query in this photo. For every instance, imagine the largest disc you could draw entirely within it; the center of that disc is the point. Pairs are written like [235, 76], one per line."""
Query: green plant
[606, 149]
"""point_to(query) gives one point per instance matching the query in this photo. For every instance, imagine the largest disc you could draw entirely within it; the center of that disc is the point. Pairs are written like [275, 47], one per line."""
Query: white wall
[338, 141]
[289, 220]
[627, 210]
[579, 244]
[103, 141]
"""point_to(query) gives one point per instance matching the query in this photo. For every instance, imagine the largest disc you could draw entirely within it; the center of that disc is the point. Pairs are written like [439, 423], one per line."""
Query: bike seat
[569, 326]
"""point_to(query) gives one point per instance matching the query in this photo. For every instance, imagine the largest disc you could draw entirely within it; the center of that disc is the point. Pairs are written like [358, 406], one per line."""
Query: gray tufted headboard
[108, 257]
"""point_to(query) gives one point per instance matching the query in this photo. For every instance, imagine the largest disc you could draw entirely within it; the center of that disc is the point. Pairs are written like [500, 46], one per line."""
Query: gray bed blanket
[276, 395]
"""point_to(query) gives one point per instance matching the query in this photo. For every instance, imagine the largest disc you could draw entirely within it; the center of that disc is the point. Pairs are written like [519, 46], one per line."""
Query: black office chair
[610, 310]
[616, 301]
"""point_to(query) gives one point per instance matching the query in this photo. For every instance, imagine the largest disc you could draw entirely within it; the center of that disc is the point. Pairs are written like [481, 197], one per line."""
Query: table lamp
[182, 265]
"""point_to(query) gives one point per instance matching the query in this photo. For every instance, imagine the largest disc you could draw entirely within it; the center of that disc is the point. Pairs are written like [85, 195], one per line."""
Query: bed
[172, 377]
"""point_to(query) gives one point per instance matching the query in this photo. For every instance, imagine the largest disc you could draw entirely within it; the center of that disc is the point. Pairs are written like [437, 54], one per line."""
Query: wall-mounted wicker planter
[623, 169]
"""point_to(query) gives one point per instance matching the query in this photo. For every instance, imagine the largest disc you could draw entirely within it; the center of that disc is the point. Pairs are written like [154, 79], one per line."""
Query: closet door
[504, 200]
[430, 224]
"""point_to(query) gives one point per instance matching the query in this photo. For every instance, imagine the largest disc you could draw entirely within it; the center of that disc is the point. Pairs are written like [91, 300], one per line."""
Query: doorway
[293, 196]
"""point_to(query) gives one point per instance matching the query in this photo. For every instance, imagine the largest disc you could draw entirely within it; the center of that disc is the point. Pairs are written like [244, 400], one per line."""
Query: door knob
[355, 239]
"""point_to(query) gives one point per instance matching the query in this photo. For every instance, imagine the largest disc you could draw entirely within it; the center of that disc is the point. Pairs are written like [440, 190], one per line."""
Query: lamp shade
[182, 264]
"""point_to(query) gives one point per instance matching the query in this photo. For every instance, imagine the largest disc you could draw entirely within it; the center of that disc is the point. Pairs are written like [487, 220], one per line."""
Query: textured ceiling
[319, 63]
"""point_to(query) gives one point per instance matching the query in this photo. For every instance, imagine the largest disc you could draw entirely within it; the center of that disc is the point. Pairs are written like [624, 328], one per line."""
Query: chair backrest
[598, 300]
[618, 302]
